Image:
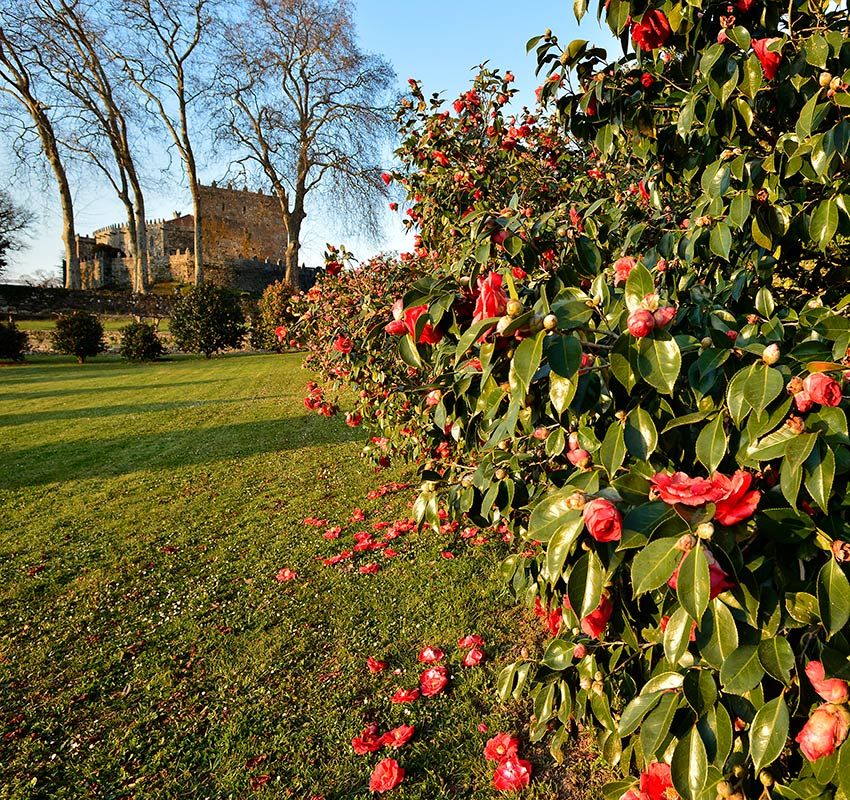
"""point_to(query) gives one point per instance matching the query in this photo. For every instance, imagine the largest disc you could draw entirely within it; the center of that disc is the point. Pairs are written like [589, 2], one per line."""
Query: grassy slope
[145, 647]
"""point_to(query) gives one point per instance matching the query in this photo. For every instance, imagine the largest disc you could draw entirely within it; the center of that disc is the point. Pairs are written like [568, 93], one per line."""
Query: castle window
[222, 206]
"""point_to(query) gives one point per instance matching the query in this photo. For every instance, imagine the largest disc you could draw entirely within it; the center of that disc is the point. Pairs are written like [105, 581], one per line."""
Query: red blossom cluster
[512, 772]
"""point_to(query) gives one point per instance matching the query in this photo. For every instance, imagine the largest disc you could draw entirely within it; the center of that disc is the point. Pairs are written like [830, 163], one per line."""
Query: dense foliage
[139, 342]
[207, 319]
[13, 342]
[630, 344]
[78, 334]
[272, 321]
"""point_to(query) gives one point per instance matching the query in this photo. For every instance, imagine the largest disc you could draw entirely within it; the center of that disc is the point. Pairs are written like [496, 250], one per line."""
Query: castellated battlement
[243, 235]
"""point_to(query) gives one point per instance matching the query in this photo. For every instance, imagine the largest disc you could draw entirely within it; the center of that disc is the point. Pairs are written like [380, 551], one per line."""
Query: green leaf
[659, 361]
[717, 637]
[820, 473]
[739, 210]
[482, 252]
[720, 240]
[561, 392]
[677, 635]
[613, 449]
[409, 353]
[559, 654]
[470, 335]
[833, 597]
[638, 285]
[635, 711]
[563, 354]
[524, 364]
[653, 566]
[768, 733]
[560, 544]
[824, 223]
[552, 515]
[763, 385]
[777, 658]
[738, 405]
[742, 670]
[584, 588]
[843, 771]
[689, 766]
[693, 586]
[656, 727]
[803, 607]
[711, 444]
[641, 436]
[624, 362]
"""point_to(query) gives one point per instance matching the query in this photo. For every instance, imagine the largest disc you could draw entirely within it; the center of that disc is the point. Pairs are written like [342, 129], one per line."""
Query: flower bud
[502, 324]
[585, 683]
[577, 501]
[641, 323]
[796, 424]
[513, 308]
[580, 652]
[650, 302]
[705, 530]
[766, 778]
[825, 79]
[466, 480]
[706, 342]
[500, 474]
[686, 543]
[550, 322]
[771, 354]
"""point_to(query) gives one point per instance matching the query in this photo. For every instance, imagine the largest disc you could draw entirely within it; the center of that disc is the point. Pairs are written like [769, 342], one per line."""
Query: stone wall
[36, 301]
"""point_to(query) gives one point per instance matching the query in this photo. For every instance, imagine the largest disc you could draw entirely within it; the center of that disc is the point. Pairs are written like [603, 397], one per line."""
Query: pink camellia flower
[474, 657]
[770, 60]
[832, 690]
[280, 333]
[803, 402]
[738, 501]
[431, 655]
[512, 774]
[825, 731]
[822, 389]
[398, 737]
[596, 621]
[396, 328]
[657, 783]
[405, 696]
[578, 457]
[375, 665]
[500, 747]
[680, 488]
[499, 237]
[653, 30]
[664, 316]
[286, 574]
[368, 741]
[433, 681]
[623, 268]
[433, 398]
[492, 300]
[603, 520]
[387, 775]
[342, 344]
[719, 580]
[470, 640]
[640, 323]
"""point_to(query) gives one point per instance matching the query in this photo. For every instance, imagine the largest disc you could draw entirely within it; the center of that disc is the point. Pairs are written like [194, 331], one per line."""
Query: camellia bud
[706, 342]
[641, 323]
[771, 354]
[502, 325]
[597, 687]
[651, 302]
[796, 424]
[825, 79]
[835, 84]
[686, 543]
[840, 551]
[705, 530]
[585, 683]
[580, 652]
[766, 778]
[577, 501]
[550, 322]
[466, 480]
[500, 474]
[513, 308]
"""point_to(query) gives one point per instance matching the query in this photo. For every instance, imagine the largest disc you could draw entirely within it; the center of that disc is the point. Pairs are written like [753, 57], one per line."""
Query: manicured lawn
[109, 324]
[146, 649]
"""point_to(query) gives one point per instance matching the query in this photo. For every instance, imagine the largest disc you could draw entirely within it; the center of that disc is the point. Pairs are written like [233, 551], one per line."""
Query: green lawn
[109, 323]
[146, 649]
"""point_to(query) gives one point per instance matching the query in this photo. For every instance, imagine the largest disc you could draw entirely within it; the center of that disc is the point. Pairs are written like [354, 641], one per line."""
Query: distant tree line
[278, 88]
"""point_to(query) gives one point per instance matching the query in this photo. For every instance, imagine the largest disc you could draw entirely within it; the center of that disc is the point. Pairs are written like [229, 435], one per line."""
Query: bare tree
[14, 225]
[161, 57]
[21, 80]
[304, 106]
[74, 56]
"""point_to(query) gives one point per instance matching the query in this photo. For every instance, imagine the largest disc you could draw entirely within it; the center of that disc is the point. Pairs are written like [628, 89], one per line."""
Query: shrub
[139, 342]
[78, 334]
[13, 342]
[272, 323]
[608, 354]
[207, 319]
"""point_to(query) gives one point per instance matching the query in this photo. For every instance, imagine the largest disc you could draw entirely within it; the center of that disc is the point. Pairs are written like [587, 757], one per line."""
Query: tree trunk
[132, 236]
[293, 246]
[198, 211]
[69, 237]
[142, 243]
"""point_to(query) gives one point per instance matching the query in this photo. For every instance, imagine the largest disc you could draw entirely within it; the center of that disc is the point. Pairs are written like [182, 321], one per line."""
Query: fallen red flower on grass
[375, 666]
[387, 775]
[405, 696]
[433, 681]
[500, 747]
[398, 737]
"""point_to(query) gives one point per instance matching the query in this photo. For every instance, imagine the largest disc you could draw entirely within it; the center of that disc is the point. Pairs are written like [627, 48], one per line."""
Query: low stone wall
[39, 341]
[37, 301]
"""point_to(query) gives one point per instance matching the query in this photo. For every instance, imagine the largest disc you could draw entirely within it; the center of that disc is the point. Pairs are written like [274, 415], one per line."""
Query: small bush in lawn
[139, 342]
[78, 334]
[13, 342]
[207, 319]
[273, 321]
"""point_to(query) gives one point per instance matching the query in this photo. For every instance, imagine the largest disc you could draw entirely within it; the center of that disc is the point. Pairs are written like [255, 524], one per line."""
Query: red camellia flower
[512, 774]
[353, 419]
[519, 273]
[280, 333]
[470, 640]
[429, 335]
[646, 80]
[719, 580]
[368, 741]
[769, 59]
[342, 344]
[822, 389]
[679, 488]
[594, 623]
[431, 655]
[803, 402]
[832, 690]
[433, 681]
[474, 657]
[603, 520]
[825, 731]
[622, 269]
[405, 696]
[387, 775]
[640, 323]
[492, 299]
[652, 32]
[375, 665]
[664, 316]
[286, 574]
[386, 178]
[500, 747]
[398, 737]
[738, 502]
[657, 782]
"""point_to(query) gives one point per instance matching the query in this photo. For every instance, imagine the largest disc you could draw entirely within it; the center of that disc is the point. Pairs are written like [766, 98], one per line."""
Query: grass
[146, 649]
[109, 323]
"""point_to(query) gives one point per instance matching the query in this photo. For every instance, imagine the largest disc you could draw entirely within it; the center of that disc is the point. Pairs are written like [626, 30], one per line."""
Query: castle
[244, 245]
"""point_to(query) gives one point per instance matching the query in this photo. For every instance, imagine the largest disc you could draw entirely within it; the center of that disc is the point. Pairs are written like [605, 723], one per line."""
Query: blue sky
[439, 42]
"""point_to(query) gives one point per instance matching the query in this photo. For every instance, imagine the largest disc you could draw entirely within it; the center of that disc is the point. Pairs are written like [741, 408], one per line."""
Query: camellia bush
[79, 334]
[207, 319]
[631, 335]
[140, 342]
[272, 322]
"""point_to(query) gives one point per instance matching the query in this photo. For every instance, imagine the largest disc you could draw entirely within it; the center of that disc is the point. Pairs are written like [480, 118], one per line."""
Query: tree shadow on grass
[108, 458]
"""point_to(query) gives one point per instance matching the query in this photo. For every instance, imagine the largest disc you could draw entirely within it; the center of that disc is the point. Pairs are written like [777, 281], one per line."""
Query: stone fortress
[243, 235]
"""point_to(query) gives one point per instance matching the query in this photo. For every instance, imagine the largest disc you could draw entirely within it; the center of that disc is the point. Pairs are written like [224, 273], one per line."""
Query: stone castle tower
[244, 244]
